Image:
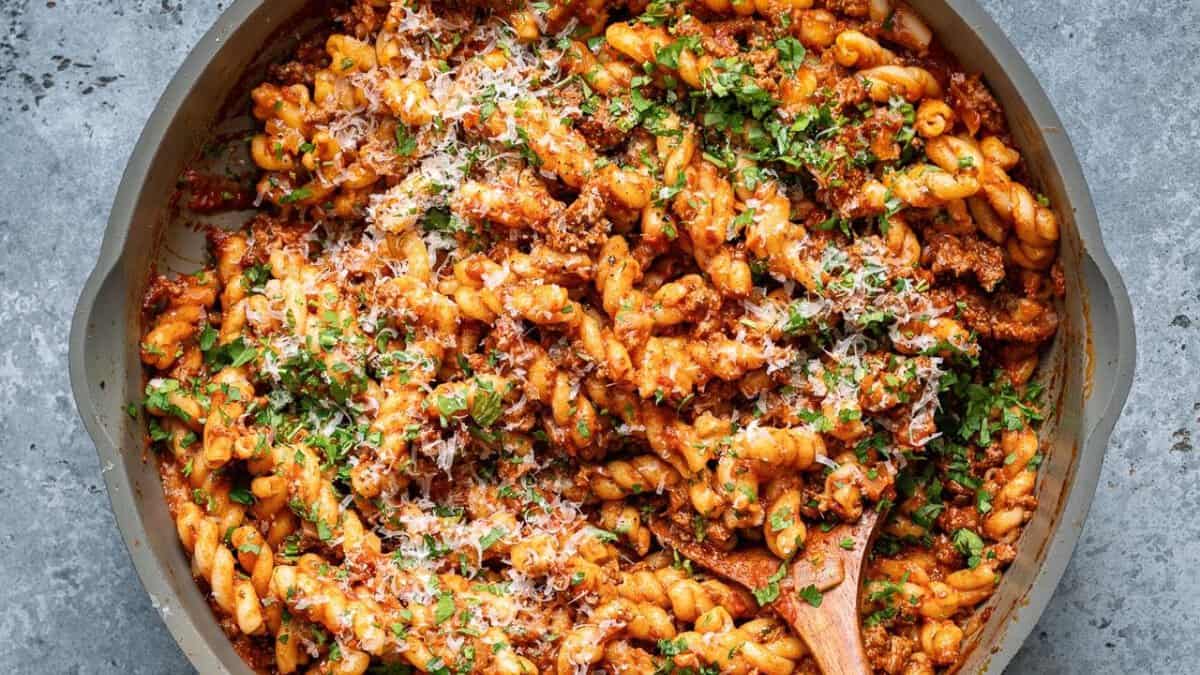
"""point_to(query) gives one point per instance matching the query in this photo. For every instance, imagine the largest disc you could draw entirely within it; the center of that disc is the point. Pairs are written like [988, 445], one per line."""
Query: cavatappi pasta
[525, 278]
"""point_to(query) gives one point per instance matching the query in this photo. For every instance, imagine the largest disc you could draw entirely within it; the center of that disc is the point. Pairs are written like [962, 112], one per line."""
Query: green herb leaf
[295, 196]
[669, 648]
[448, 406]
[494, 535]
[444, 608]
[208, 337]
[925, 514]
[242, 496]
[970, 545]
[983, 501]
[487, 406]
[791, 54]
[811, 595]
[781, 519]
[770, 593]
[406, 143]
[604, 535]
[323, 531]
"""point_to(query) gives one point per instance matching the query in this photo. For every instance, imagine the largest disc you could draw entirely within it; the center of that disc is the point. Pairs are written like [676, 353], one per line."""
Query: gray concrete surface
[79, 77]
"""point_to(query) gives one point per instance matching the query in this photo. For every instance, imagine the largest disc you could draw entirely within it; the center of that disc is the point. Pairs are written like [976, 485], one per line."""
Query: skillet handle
[1113, 352]
[99, 354]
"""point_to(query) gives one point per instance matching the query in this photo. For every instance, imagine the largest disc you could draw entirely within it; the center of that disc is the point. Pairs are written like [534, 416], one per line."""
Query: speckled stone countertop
[78, 78]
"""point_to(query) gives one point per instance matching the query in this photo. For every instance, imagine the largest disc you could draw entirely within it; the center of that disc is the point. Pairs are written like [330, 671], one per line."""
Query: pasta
[525, 278]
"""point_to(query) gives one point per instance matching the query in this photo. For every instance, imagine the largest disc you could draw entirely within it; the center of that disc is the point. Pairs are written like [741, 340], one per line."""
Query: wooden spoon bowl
[819, 595]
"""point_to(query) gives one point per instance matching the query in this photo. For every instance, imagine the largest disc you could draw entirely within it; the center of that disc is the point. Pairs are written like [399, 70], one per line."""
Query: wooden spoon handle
[832, 563]
[831, 631]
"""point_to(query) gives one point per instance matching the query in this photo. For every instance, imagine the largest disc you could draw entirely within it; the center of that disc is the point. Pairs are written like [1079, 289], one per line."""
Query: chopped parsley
[494, 535]
[770, 592]
[811, 595]
[970, 545]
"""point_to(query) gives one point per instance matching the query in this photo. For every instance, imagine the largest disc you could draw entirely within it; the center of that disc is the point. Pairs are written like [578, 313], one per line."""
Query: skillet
[1088, 370]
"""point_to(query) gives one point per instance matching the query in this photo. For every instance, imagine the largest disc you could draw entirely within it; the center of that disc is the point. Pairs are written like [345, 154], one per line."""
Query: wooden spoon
[831, 562]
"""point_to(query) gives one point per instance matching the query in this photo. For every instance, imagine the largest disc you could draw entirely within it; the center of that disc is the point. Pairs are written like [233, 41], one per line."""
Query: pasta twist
[687, 598]
[617, 273]
[764, 8]
[228, 402]
[686, 447]
[409, 99]
[752, 457]
[925, 186]
[852, 49]
[910, 82]
[563, 151]
[583, 647]
[1013, 501]
[626, 521]
[784, 531]
[941, 640]
[934, 118]
[359, 620]
[643, 43]
[645, 474]
[848, 484]
[605, 75]
[758, 646]
[705, 207]
[817, 28]
[1035, 225]
[255, 556]
[213, 562]
[643, 621]
[186, 310]
[520, 201]
[772, 237]
[623, 657]
[573, 421]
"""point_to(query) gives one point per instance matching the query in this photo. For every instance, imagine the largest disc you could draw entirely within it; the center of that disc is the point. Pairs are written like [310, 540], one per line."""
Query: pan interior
[215, 110]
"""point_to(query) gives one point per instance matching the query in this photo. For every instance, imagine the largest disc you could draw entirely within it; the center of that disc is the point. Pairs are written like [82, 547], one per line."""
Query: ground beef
[848, 92]
[581, 225]
[886, 652]
[913, 430]
[975, 105]
[209, 193]
[489, 6]
[599, 127]
[365, 20]
[1058, 281]
[946, 553]
[849, 7]
[727, 37]
[881, 129]
[954, 518]
[767, 74]
[1005, 553]
[958, 494]
[990, 457]
[965, 255]
[269, 232]
[309, 58]
[1003, 317]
